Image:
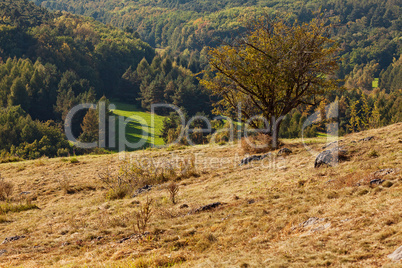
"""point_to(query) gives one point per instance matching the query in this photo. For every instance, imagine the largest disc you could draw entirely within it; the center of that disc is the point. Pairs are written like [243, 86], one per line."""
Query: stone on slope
[284, 151]
[330, 157]
[396, 255]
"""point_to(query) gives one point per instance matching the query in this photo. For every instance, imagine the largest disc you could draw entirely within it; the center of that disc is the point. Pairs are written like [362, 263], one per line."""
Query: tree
[19, 94]
[271, 69]
[90, 127]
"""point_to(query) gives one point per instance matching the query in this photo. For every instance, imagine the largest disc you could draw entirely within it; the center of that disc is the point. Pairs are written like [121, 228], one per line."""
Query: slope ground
[141, 124]
[281, 212]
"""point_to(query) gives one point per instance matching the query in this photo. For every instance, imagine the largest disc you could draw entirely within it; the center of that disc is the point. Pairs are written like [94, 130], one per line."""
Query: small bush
[173, 190]
[120, 185]
[258, 144]
[7, 207]
[143, 216]
[6, 189]
[119, 192]
[65, 184]
[74, 160]
[373, 153]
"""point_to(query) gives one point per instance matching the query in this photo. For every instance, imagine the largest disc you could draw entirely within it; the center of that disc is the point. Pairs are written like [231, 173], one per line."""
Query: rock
[3, 251]
[249, 159]
[311, 221]
[330, 157]
[134, 236]
[141, 190]
[383, 172]
[250, 201]
[183, 206]
[284, 151]
[321, 227]
[367, 138]
[396, 255]
[12, 238]
[376, 181]
[124, 239]
[208, 207]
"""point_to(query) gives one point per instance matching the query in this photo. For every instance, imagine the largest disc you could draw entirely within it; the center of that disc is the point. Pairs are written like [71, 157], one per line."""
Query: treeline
[165, 81]
[369, 31]
[50, 62]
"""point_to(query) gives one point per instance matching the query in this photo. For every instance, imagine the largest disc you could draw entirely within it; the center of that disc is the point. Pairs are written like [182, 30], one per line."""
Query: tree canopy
[273, 68]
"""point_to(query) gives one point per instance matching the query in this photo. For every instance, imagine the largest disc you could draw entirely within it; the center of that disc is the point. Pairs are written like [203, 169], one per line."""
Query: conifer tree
[19, 94]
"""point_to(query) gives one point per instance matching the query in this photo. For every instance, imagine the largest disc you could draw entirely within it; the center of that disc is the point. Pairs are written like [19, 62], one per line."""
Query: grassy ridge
[279, 212]
[135, 129]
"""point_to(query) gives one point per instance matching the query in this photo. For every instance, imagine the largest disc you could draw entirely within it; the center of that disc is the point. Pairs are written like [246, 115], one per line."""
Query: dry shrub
[187, 168]
[120, 185]
[352, 180]
[143, 216]
[6, 189]
[173, 190]
[131, 176]
[65, 184]
[261, 143]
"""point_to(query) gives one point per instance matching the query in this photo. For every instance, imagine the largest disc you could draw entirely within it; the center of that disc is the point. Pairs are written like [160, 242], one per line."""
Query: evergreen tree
[19, 94]
[90, 127]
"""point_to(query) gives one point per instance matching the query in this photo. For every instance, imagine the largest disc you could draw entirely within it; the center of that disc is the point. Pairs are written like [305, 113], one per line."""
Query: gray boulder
[396, 255]
[367, 138]
[330, 157]
[284, 151]
[249, 159]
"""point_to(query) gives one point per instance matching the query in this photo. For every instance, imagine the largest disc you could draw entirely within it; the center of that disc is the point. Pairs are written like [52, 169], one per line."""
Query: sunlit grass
[134, 131]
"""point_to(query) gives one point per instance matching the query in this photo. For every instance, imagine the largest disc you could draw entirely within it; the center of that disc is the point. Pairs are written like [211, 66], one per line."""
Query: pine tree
[90, 127]
[365, 111]
[354, 122]
[19, 94]
[375, 117]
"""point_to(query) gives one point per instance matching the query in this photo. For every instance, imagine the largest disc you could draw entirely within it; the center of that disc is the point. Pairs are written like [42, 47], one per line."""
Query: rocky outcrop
[141, 190]
[208, 207]
[12, 238]
[396, 255]
[284, 151]
[249, 159]
[367, 138]
[330, 157]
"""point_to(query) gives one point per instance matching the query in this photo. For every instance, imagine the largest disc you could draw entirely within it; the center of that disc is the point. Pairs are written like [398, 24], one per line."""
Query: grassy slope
[361, 224]
[134, 130]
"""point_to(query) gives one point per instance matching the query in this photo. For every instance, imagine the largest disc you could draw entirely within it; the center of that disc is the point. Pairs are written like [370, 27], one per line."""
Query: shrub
[74, 160]
[260, 143]
[373, 153]
[6, 189]
[65, 184]
[173, 190]
[119, 184]
[7, 207]
[143, 216]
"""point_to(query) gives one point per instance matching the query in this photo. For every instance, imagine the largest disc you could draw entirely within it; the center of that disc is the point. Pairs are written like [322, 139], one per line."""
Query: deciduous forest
[58, 53]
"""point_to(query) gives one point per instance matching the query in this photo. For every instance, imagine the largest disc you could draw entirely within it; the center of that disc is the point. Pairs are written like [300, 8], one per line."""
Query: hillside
[281, 213]
[369, 31]
[133, 130]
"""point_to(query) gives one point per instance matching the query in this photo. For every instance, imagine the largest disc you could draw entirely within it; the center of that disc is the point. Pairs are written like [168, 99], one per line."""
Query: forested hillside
[53, 60]
[369, 30]
[369, 33]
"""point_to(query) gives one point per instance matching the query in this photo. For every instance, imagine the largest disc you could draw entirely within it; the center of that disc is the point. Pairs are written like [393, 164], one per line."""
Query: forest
[56, 54]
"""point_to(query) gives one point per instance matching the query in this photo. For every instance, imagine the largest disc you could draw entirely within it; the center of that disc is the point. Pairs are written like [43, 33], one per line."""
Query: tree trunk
[275, 125]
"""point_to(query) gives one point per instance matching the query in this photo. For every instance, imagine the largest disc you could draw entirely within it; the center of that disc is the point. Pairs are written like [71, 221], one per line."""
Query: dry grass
[260, 222]
[261, 143]
[6, 189]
